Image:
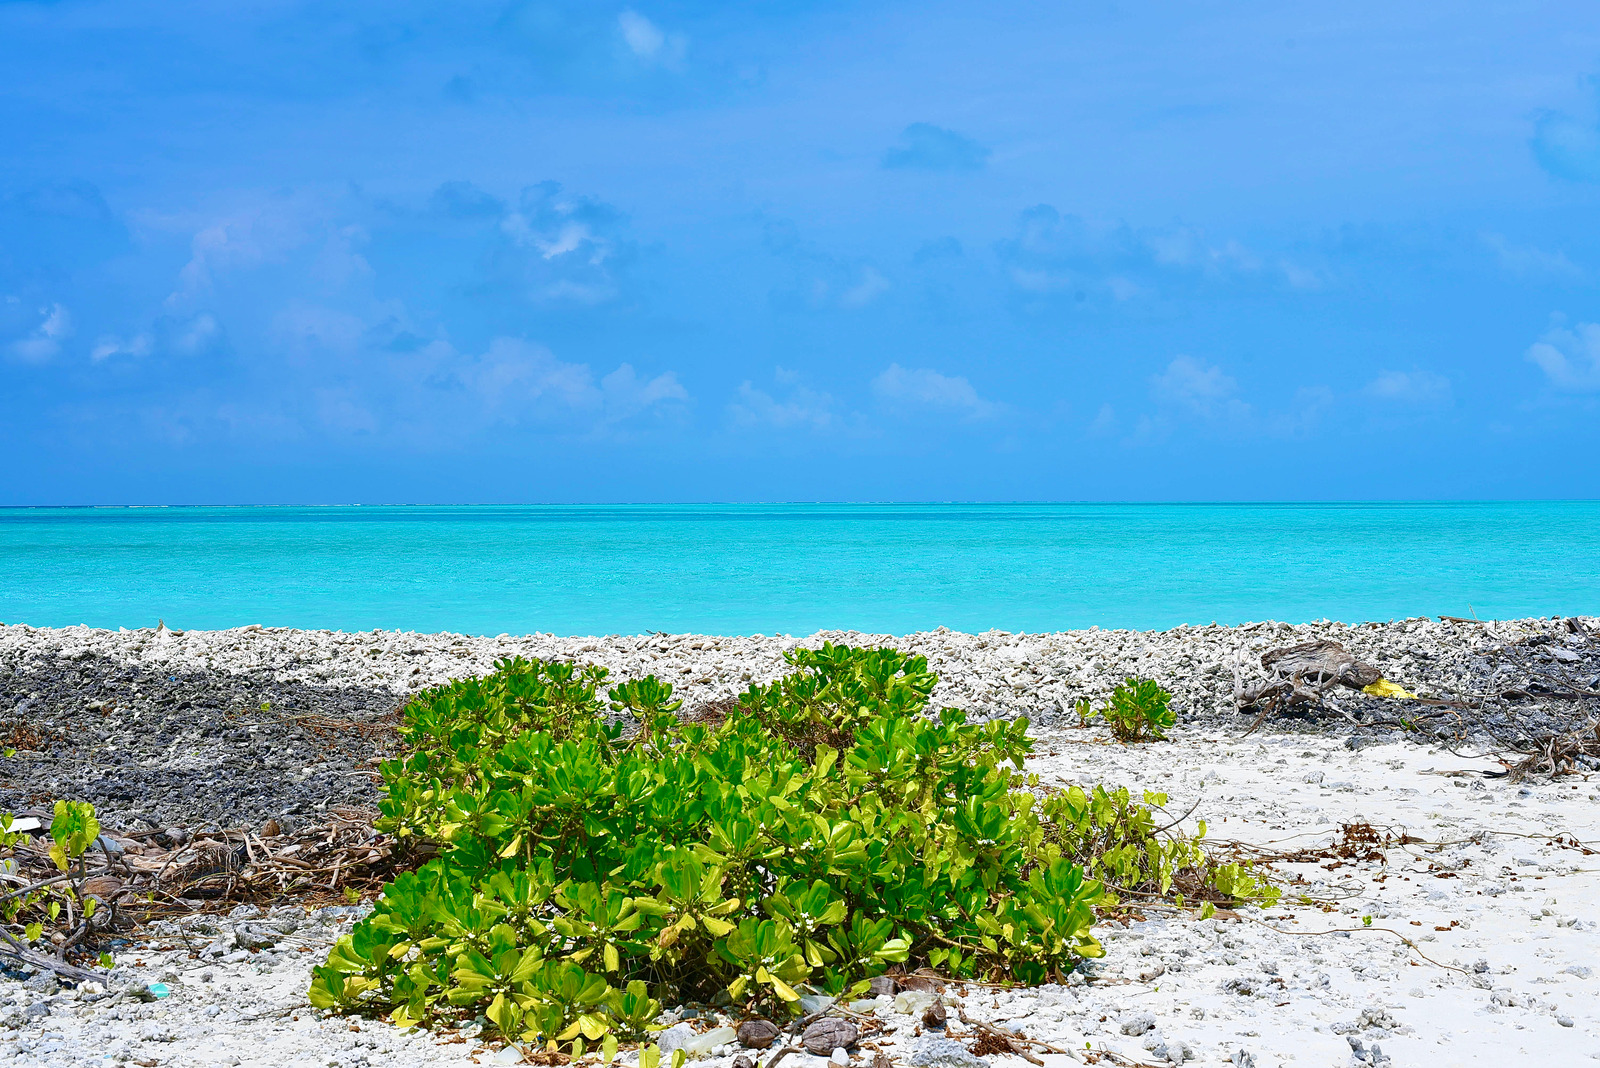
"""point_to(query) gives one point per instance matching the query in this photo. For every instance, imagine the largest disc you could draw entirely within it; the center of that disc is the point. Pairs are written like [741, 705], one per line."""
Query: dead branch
[1300, 676]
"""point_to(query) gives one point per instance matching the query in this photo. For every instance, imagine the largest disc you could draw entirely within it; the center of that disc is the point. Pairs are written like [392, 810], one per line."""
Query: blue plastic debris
[160, 990]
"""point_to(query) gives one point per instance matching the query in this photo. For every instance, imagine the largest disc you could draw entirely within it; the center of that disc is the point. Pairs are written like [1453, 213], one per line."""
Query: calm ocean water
[743, 569]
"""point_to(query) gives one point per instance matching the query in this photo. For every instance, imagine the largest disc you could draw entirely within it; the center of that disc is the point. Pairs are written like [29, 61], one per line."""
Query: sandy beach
[1434, 911]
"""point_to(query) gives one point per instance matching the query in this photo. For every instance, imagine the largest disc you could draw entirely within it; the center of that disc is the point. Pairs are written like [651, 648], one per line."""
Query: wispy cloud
[304, 329]
[1530, 262]
[109, 345]
[650, 43]
[798, 408]
[1567, 146]
[43, 342]
[517, 380]
[576, 240]
[1199, 388]
[1569, 357]
[263, 232]
[925, 388]
[1192, 396]
[193, 336]
[1414, 387]
[1056, 255]
[871, 286]
[821, 280]
[624, 394]
[926, 147]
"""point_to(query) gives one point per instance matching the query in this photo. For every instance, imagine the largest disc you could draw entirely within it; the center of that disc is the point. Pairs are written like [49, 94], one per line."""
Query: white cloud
[1570, 358]
[1202, 388]
[514, 377]
[929, 388]
[1303, 414]
[44, 341]
[1183, 247]
[1413, 387]
[864, 292]
[1104, 422]
[640, 33]
[109, 346]
[1527, 261]
[197, 335]
[562, 239]
[1094, 258]
[565, 289]
[649, 42]
[625, 394]
[261, 234]
[339, 409]
[513, 373]
[1038, 281]
[802, 408]
[1122, 289]
[338, 263]
[569, 235]
[1299, 277]
[305, 329]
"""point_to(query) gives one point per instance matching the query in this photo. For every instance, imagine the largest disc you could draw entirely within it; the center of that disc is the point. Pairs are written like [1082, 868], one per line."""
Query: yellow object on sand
[1385, 688]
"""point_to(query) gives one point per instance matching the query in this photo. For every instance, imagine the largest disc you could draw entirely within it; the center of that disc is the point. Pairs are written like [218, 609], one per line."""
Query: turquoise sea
[743, 569]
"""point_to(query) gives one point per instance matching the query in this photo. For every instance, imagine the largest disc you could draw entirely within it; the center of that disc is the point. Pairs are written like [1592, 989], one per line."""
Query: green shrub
[1137, 712]
[823, 830]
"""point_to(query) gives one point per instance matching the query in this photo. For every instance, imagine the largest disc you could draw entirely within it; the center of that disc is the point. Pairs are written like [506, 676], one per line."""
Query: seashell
[828, 1034]
[757, 1034]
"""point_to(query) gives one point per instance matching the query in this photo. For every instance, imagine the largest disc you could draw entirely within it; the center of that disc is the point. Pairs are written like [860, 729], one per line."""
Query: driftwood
[13, 947]
[1299, 675]
[196, 870]
[1557, 754]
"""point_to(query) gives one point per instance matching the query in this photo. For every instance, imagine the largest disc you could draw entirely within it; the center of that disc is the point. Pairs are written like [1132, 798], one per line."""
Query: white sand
[1269, 984]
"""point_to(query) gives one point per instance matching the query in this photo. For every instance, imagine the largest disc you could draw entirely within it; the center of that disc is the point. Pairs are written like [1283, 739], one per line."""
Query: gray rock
[42, 983]
[674, 1038]
[256, 936]
[1138, 1024]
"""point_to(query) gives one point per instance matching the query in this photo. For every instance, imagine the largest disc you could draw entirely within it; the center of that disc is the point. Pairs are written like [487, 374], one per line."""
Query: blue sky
[285, 252]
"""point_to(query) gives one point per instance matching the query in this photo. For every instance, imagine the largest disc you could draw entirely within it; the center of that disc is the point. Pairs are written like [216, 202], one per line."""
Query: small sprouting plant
[1139, 711]
[57, 905]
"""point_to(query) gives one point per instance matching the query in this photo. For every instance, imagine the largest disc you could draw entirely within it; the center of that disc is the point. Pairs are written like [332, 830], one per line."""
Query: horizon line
[1037, 502]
